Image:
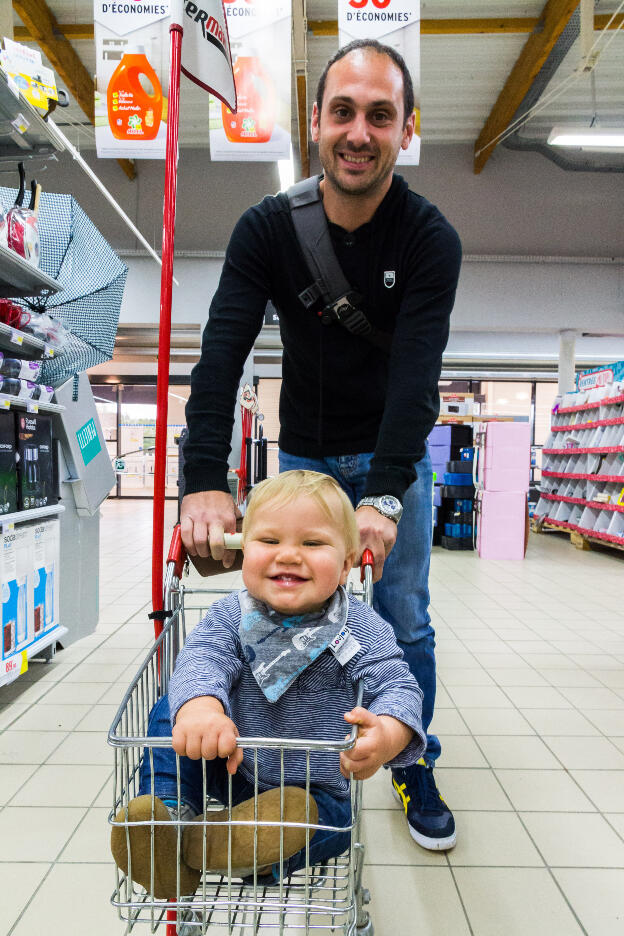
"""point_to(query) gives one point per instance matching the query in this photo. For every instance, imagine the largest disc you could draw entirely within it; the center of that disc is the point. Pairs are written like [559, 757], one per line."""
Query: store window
[545, 394]
[506, 398]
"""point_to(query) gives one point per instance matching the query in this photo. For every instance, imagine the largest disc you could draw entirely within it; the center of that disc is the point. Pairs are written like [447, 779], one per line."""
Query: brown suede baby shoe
[243, 836]
[165, 849]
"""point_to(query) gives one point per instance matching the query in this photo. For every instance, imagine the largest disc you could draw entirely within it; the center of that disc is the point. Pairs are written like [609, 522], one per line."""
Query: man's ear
[408, 131]
[348, 565]
[314, 123]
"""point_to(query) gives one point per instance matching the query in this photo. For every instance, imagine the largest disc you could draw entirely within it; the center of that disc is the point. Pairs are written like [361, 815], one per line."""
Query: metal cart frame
[324, 898]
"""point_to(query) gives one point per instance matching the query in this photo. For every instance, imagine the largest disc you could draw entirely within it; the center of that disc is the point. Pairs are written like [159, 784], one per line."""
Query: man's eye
[341, 113]
[380, 117]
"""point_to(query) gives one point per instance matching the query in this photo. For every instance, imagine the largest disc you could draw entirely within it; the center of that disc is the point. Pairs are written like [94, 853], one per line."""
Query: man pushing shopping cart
[251, 721]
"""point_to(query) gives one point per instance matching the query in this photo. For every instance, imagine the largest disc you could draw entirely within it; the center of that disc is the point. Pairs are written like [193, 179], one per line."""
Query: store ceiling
[470, 53]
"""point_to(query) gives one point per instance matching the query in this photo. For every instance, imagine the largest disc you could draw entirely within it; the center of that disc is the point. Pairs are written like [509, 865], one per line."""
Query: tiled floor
[530, 710]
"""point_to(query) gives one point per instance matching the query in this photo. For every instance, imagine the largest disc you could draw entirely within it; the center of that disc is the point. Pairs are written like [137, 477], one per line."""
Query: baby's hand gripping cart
[325, 898]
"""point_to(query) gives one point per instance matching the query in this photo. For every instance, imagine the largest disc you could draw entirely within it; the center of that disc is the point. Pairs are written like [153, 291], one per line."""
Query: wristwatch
[387, 505]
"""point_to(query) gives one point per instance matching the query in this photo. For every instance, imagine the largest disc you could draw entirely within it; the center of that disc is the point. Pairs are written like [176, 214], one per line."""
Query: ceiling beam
[470, 27]
[552, 22]
[42, 26]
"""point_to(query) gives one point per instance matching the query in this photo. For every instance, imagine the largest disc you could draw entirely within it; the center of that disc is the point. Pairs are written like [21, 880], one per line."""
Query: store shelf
[596, 505]
[20, 278]
[34, 650]
[37, 138]
[587, 406]
[592, 535]
[583, 477]
[577, 426]
[31, 406]
[37, 513]
[595, 450]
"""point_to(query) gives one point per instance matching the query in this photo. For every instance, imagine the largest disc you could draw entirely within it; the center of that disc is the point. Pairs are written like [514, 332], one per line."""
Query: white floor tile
[596, 897]
[575, 840]
[19, 883]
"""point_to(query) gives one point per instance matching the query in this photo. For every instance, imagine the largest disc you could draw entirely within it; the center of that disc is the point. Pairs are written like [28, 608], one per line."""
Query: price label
[20, 124]
[13, 667]
[17, 337]
[8, 527]
[32, 407]
[48, 352]
[5, 403]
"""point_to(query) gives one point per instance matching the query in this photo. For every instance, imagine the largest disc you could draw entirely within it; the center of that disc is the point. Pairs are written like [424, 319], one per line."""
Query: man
[347, 408]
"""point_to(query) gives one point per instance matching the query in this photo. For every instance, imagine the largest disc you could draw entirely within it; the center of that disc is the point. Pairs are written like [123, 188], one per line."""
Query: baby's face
[295, 556]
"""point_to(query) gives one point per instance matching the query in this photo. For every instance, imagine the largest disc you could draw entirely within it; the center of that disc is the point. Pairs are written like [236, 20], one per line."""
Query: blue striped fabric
[212, 663]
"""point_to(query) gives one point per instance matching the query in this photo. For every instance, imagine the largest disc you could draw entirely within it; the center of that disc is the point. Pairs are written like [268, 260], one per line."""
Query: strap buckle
[346, 311]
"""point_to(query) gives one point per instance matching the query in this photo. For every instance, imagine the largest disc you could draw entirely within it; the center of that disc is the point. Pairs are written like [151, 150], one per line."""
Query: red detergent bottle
[134, 113]
[256, 103]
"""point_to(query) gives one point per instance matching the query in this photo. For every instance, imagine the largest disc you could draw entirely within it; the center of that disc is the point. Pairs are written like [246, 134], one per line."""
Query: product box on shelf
[46, 546]
[8, 463]
[35, 460]
[16, 566]
[18, 369]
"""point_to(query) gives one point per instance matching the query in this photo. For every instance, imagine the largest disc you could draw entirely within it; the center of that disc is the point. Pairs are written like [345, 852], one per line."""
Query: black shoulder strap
[330, 285]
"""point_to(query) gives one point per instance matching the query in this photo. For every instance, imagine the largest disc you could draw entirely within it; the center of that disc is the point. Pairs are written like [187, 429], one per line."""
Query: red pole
[164, 342]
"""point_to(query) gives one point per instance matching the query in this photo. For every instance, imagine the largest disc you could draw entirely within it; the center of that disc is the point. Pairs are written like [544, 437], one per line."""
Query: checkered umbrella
[74, 253]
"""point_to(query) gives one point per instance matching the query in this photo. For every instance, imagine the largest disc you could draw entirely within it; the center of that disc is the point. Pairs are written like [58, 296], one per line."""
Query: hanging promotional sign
[395, 23]
[260, 35]
[600, 376]
[206, 56]
[132, 55]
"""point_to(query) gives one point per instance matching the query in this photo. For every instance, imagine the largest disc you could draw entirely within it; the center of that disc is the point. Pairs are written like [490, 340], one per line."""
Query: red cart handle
[367, 560]
[177, 551]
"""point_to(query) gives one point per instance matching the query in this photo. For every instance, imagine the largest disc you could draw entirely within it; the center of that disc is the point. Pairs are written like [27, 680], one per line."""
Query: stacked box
[445, 444]
[503, 482]
[35, 461]
[16, 573]
[45, 592]
[8, 463]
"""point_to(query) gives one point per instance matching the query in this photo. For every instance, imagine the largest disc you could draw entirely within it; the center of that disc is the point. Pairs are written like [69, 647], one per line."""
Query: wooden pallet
[578, 540]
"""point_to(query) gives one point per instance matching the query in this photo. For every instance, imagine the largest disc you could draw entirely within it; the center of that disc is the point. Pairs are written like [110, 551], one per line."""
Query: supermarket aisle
[531, 714]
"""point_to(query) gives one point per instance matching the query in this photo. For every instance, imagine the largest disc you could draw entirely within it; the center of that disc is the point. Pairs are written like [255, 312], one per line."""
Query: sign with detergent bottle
[132, 53]
[396, 23]
[260, 34]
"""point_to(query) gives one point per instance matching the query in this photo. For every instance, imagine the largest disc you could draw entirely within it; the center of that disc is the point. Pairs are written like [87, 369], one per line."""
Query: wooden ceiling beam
[77, 32]
[43, 28]
[470, 27]
[555, 17]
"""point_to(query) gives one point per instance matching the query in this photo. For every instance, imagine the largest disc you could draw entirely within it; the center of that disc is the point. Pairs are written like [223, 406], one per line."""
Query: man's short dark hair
[381, 49]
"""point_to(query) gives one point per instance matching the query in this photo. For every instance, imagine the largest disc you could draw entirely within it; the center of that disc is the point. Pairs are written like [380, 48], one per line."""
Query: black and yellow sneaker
[429, 819]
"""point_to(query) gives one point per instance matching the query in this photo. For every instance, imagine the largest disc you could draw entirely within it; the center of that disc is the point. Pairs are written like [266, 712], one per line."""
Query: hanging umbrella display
[92, 277]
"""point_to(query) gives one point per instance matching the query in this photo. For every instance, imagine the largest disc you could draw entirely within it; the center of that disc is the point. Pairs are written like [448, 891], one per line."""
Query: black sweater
[340, 394]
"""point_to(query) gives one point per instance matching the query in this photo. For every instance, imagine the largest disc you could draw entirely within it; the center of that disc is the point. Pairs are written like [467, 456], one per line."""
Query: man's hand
[379, 740]
[202, 729]
[204, 518]
[378, 534]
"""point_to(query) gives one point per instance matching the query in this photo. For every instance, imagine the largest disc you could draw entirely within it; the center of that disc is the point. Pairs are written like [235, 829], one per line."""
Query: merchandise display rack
[19, 278]
[582, 488]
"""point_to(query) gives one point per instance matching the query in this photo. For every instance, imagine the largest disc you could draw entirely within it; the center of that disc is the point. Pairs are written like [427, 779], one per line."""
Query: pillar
[567, 361]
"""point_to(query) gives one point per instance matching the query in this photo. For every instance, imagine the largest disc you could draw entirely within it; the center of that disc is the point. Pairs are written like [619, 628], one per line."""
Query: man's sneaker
[429, 819]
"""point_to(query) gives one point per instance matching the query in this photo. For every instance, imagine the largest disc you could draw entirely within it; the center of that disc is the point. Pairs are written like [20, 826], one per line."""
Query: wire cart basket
[327, 898]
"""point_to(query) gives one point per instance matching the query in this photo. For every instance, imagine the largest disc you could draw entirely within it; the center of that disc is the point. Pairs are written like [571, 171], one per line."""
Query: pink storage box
[504, 457]
[501, 518]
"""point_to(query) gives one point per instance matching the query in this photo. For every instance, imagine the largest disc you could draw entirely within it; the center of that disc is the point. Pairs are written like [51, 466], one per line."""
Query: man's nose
[358, 133]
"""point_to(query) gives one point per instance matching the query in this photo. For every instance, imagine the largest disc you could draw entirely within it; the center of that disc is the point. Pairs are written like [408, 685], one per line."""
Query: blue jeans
[332, 810]
[402, 595]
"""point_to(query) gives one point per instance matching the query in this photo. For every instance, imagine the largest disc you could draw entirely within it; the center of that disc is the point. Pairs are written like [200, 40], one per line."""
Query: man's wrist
[387, 505]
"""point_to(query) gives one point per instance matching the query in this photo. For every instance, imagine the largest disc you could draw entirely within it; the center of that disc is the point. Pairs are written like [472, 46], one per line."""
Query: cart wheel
[367, 929]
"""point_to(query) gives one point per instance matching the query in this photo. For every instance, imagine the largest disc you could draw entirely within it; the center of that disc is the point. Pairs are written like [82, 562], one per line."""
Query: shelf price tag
[17, 337]
[32, 407]
[5, 403]
[8, 527]
[48, 352]
[13, 667]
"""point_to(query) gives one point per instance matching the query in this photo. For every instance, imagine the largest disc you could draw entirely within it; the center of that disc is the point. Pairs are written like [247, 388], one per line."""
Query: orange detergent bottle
[134, 113]
[255, 93]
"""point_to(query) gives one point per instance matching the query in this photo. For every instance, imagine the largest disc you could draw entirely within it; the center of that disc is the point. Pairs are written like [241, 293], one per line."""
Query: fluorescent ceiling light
[594, 137]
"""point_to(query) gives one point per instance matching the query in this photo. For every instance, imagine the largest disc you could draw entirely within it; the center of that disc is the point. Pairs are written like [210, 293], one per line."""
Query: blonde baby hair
[286, 487]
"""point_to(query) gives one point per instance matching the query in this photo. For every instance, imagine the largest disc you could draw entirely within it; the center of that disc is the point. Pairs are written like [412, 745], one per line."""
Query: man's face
[361, 127]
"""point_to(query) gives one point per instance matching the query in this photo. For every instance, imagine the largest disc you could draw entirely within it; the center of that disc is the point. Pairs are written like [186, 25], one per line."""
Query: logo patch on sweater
[389, 278]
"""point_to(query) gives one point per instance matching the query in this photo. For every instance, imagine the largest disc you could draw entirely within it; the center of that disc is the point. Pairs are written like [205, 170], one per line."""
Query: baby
[280, 659]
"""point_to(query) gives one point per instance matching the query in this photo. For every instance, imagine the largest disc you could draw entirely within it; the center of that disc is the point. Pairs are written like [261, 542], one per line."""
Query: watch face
[389, 504]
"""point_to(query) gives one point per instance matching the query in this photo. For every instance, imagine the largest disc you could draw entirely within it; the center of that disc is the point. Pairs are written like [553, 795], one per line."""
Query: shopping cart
[323, 898]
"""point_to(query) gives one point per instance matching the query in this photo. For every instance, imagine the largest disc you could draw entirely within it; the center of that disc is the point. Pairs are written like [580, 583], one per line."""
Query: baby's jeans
[332, 810]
